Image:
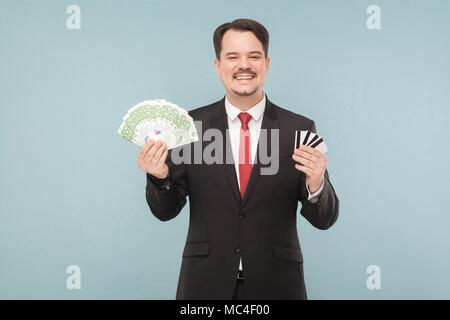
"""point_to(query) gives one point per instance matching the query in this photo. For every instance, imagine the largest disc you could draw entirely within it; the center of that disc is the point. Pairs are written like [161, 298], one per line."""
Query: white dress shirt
[254, 126]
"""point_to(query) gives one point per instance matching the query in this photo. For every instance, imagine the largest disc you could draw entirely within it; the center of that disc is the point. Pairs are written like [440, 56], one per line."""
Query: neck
[244, 102]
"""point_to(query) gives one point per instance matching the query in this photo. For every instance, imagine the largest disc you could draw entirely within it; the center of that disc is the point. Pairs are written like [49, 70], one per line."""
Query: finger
[158, 154]
[311, 150]
[162, 159]
[303, 169]
[150, 154]
[145, 149]
[308, 163]
[306, 155]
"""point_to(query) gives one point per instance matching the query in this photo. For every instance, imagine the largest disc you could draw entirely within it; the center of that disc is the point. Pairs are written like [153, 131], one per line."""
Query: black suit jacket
[261, 228]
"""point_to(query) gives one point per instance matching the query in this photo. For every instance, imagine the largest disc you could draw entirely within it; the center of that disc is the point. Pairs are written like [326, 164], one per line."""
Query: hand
[152, 159]
[314, 166]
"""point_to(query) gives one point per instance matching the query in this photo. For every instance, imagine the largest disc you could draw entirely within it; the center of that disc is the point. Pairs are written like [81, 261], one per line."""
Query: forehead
[241, 42]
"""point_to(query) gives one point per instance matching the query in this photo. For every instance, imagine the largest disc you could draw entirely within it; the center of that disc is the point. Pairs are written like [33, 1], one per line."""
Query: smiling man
[242, 64]
[242, 241]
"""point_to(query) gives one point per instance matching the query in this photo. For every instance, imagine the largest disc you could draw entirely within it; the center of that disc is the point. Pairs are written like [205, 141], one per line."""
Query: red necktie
[245, 163]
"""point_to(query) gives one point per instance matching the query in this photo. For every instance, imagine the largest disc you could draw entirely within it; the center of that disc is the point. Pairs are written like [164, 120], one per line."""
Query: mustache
[244, 72]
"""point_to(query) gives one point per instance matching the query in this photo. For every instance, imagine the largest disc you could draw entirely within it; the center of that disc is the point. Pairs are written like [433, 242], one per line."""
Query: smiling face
[242, 66]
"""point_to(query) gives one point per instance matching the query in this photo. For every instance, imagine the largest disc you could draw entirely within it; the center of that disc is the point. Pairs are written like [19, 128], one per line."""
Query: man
[242, 241]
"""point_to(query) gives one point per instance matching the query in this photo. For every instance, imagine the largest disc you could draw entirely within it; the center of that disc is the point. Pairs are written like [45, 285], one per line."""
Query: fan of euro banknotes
[158, 120]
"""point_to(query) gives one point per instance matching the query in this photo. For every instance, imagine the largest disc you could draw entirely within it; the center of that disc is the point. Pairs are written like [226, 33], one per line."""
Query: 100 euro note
[158, 120]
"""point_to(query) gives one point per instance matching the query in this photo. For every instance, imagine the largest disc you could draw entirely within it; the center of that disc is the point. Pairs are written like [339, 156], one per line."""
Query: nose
[243, 62]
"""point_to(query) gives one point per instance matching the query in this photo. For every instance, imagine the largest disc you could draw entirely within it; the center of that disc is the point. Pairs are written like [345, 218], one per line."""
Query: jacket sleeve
[324, 212]
[166, 202]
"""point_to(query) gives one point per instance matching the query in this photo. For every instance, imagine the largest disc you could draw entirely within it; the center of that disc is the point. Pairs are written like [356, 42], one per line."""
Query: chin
[245, 92]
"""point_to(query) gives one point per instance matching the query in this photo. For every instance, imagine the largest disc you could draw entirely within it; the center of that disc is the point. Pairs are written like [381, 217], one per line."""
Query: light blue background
[70, 190]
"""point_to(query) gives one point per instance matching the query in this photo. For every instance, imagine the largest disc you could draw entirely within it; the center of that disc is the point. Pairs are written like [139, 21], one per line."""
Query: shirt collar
[256, 111]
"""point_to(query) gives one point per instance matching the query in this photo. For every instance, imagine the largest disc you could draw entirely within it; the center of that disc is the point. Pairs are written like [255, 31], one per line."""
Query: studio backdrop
[373, 75]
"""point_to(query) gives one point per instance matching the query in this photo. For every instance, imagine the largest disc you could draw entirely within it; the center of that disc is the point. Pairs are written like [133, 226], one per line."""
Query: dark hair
[241, 25]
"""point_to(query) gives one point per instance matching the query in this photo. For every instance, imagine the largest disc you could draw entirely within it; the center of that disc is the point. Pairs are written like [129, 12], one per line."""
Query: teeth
[240, 78]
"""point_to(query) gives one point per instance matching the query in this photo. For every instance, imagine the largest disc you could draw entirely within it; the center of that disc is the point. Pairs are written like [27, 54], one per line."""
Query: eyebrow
[251, 52]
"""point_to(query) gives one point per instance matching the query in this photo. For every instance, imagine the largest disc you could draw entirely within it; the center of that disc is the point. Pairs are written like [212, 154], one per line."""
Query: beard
[244, 92]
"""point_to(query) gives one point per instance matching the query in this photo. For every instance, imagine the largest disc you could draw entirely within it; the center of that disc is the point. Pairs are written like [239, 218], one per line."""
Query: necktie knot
[245, 118]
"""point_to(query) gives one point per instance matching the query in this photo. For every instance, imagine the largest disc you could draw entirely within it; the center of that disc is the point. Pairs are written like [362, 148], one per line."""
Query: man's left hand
[314, 166]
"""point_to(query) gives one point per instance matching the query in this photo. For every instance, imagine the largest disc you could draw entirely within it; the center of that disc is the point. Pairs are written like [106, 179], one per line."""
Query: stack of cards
[158, 120]
[311, 139]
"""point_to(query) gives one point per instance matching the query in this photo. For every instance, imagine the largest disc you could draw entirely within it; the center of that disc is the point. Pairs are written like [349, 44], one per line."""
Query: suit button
[237, 250]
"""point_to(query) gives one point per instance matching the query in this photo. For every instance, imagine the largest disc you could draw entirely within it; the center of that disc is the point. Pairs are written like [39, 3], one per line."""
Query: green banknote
[158, 120]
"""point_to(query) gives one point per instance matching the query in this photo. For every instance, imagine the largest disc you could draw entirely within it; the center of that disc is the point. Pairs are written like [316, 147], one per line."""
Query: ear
[267, 64]
[217, 65]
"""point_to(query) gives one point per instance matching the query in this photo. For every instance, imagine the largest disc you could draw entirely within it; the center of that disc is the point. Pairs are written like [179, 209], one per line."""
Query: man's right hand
[152, 159]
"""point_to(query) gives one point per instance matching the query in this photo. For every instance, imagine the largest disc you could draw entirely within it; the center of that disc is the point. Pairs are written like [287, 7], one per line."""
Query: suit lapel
[220, 121]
